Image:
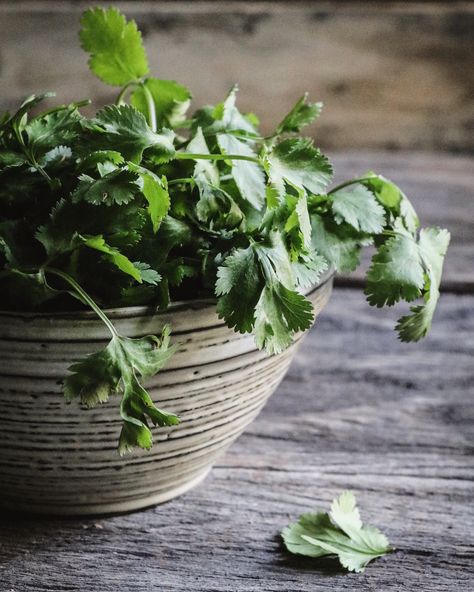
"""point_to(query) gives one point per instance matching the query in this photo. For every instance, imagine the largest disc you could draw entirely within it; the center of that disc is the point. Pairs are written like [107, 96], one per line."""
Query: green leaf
[393, 198]
[238, 288]
[339, 245]
[300, 115]
[113, 255]
[296, 161]
[248, 176]
[308, 268]
[397, 270]
[116, 368]
[279, 313]
[156, 193]
[170, 98]
[341, 533]
[117, 55]
[119, 186]
[46, 132]
[357, 206]
[124, 129]
[433, 246]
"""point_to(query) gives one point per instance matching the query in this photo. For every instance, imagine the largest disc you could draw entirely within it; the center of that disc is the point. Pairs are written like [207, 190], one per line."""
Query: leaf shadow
[327, 566]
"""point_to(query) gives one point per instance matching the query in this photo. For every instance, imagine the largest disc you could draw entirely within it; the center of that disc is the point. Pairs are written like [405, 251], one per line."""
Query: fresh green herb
[143, 204]
[339, 532]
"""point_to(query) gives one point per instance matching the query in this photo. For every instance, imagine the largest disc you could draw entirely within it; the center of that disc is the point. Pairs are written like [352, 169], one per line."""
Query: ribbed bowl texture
[57, 458]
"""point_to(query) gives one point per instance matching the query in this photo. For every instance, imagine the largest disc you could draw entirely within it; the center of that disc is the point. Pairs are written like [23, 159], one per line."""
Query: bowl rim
[144, 310]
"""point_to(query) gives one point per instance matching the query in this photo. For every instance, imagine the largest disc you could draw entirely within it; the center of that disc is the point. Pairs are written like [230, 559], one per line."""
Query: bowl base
[107, 508]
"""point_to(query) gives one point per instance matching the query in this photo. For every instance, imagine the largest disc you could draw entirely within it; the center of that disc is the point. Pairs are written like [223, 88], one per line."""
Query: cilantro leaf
[118, 186]
[433, 246]
[279, 313]
[397, 270]
[155, 191]
[340, 533]
[393, 198]
[118, 259]
[115, 369]
[338, 244]
[357, 206]
[117, 55]
[238, 288]
[296, 161]
[170, 98]
[124, 129]
[300, 115]
[248, 176]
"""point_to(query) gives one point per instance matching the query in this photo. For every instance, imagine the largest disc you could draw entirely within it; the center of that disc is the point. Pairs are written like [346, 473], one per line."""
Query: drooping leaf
[116, 369]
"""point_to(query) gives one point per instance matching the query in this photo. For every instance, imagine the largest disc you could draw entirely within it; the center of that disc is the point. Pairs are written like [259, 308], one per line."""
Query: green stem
[85, 297]
[180, 181]
[191, 156]
[150, 104]
[120, 100]
[351, 182]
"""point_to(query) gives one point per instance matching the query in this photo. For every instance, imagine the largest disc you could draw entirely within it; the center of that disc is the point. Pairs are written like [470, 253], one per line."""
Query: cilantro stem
[192, 156]
[351, 182]
[150, 104]
[180, 181]
[85, 297]
[120, 100]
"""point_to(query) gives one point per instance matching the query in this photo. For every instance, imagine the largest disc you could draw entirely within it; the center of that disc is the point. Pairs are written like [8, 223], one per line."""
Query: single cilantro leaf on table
[117, 368]
[117, 55]
[339, 533]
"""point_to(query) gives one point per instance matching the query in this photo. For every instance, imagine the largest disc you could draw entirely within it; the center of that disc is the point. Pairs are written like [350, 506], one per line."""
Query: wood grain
[391, 74]
[357, 410]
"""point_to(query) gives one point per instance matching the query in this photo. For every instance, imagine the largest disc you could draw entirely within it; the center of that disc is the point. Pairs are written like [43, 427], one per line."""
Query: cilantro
[297, 162]
[120, 209]
[117, 55]
[340, 533]
[300, 115]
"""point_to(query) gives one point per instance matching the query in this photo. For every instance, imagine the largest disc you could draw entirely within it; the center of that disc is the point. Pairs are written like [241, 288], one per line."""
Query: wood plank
[441, 189]
[392, 74]
[358, 410]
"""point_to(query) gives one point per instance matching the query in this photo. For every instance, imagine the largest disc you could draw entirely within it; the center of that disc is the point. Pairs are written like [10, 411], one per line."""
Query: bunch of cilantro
[143, 204]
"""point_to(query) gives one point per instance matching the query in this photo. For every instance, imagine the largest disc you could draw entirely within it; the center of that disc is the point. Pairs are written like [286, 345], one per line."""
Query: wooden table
[358, 410]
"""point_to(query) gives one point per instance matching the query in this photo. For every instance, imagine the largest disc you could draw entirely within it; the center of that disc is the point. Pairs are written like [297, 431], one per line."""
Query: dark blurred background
[393, 75]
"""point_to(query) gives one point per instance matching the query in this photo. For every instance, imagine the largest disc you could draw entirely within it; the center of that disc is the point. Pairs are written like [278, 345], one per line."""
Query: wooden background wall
[392, 74]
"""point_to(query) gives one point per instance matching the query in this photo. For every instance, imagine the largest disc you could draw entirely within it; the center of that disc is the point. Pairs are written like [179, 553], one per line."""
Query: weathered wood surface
[358, 410]
[441, 187]
[392, 74]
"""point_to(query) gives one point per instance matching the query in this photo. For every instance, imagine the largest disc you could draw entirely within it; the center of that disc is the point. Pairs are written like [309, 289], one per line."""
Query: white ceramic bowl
[57, 458]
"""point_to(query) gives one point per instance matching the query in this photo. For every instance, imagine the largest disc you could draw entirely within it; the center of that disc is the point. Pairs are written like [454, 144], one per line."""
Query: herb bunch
[143, 204]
